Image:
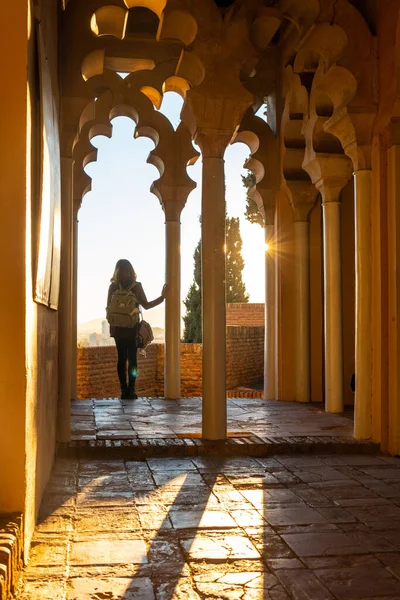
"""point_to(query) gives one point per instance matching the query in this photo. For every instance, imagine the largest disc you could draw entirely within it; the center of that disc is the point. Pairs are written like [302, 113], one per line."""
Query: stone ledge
[11, 553]
[136, 449]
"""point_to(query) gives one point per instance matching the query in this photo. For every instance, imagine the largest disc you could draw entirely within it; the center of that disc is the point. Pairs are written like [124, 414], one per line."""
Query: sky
[120, 218]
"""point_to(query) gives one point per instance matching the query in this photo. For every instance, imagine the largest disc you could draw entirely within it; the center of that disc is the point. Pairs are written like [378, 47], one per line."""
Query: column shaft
[213, 299]
[65, 308]
[333, 308]
[363, 313]
[302, 291]
[269, 336]
[74, 310]
[172, 374]
[393, 418]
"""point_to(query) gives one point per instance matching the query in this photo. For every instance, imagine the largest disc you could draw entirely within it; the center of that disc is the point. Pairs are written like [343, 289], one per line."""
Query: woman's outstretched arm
[141, 296]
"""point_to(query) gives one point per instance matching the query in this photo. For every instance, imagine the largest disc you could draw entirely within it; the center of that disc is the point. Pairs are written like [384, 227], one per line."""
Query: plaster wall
[28, 355]
[41, 322]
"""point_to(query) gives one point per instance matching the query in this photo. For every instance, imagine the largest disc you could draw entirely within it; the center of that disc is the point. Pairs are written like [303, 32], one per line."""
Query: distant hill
[93, 326]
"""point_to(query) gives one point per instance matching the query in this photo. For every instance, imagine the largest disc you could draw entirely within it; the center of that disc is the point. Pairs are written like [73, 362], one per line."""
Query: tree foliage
[235, 287]
[192, 320]
[251, 213]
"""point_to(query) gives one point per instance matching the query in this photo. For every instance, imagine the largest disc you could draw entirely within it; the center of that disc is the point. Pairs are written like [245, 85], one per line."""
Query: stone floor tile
[171, 464]
[338, 562]
[303, 584]
[269, 545]
[108, 552]
[179, 478]
[390, 559]
[247, 518]
[48, 551]
[336, 515]
[385, 473]
[54, 524]
[204, 547]
[284, 563]
[258, 498]
[101, 497]
[298, 515]
[197, 519]
[183, 589]
[320, 544]
[360, 583]
[136, 588]
[110, 520]
[44, 590]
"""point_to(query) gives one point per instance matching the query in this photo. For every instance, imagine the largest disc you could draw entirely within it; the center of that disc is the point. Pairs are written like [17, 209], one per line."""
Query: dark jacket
[137, 289]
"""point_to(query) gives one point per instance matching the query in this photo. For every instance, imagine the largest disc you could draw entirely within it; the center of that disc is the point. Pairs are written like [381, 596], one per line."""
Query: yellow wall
[13, 182]
[28, 349]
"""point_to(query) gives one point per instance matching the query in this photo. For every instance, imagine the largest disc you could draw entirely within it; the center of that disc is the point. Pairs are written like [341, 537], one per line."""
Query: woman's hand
[164, 292]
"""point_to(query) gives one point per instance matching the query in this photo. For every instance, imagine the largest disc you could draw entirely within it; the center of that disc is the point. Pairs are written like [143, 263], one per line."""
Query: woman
[125, 337]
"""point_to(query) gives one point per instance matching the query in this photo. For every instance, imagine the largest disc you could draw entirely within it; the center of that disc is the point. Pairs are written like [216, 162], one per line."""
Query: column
[74, 306]
[393, 199]
[332, 306]
[213, 285]
[269, 336]
[172, 371]
[363, 314]
[65, 305]
[302, 292]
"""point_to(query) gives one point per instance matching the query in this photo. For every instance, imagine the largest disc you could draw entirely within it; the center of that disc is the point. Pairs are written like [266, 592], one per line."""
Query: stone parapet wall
[97, 374]
[245, 315]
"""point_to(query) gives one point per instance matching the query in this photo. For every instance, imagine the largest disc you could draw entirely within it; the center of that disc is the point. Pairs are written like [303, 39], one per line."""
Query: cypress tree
[192, 319]
[235, 287]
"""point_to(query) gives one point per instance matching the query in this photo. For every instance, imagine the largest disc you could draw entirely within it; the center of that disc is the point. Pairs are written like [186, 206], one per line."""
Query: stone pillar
[65, 304]
[393, 197]
[269, 335]
[74, 306]
[172, 371]
[213, 145]
[303, 196]
[333, 335]
[302, 292]
[363, 313]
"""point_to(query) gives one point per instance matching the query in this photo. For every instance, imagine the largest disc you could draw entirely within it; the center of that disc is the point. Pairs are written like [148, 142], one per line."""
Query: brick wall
[245, 315]
[97, 374]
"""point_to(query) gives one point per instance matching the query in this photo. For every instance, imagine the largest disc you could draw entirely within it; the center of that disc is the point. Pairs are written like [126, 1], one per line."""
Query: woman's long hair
[124, 273]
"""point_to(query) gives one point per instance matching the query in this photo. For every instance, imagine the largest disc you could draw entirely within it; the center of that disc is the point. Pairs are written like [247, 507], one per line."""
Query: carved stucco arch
[337, 109]
[263, 162]
[173, 150]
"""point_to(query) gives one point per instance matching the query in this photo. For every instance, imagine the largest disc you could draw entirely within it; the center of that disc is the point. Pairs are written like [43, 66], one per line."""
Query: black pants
[127, 353]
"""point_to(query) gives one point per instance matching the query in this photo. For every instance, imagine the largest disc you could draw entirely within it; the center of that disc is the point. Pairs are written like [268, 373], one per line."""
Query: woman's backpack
[123, 310]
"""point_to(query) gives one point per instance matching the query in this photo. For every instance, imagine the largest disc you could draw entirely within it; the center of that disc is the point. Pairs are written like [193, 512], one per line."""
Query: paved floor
[158, 418]
[301, 527]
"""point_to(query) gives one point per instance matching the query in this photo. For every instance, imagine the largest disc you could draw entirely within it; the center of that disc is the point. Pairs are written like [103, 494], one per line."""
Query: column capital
[329, 173]
[213, 142]
[303, 197]
[330, 188]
